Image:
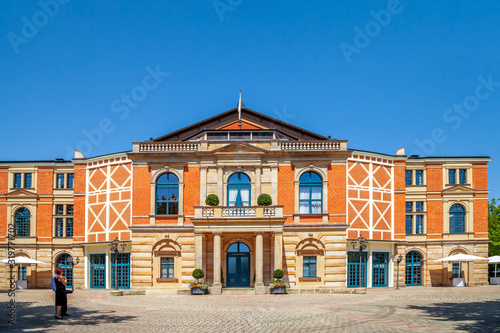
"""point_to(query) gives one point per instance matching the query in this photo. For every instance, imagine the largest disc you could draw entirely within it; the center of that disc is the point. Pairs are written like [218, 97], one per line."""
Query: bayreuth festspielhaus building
[324, 196]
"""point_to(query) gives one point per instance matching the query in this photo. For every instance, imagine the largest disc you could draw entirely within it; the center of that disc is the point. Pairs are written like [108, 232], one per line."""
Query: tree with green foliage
[494, 227]
[493, 230]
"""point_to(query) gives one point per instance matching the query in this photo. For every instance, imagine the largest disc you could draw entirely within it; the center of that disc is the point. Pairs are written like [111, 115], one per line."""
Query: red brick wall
[4, 181]
[434, 177]
[44, 222]
[45, 180]
[141, 197]
[434, 217]
[337, 191]
[480, 177]
[286, 190]
[191, 189]
[79, 203]
[399, 199]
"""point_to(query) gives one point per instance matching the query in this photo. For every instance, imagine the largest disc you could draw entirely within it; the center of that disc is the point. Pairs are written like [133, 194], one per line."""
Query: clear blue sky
[402, 78]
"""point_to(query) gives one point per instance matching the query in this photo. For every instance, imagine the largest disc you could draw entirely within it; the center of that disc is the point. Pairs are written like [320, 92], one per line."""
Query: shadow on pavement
[470, 317]
[40, 318]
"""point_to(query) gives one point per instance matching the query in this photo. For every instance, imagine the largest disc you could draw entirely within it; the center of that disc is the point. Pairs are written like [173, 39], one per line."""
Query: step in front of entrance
[238, 291]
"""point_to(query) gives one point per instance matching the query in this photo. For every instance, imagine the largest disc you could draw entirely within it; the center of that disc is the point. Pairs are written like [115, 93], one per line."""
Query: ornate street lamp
[397, 260]
[363, 244]
[72, 262]
[114, 248]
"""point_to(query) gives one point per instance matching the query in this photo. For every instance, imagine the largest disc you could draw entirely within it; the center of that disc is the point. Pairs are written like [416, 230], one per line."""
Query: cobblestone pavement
[471, 309]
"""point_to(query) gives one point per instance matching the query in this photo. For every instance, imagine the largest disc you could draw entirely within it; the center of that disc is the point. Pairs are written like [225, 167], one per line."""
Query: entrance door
[238, 265]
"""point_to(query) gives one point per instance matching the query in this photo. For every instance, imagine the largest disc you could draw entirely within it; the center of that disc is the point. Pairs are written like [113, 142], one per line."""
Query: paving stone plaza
[471, 309]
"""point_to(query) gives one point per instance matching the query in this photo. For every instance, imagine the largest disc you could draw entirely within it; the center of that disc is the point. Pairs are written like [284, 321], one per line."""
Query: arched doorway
[63, 262]
[413, 273]
[238, 265]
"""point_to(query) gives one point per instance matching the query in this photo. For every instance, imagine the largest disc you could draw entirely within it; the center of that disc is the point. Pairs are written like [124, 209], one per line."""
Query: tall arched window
[64, 263]
[22, 222]
[238, 190]
[167, 194]
[413, 272]
[457, 219]
[310, 193]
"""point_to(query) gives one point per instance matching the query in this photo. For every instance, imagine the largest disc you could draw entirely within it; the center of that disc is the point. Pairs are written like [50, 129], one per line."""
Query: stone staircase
[238, 291]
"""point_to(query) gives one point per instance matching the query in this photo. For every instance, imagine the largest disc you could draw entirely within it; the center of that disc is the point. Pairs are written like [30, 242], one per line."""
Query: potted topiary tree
[212, 200]
[198, 288]
[277, 285]
[264, 200]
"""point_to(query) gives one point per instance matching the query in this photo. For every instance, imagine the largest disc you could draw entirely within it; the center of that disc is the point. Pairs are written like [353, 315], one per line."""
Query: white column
[259, 265]
[277, 250]
[217, 285]
[198, 250]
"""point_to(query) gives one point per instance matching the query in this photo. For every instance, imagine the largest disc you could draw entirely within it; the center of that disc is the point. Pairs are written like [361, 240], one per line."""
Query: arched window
[238, 190]
[64, 262]
[22, 222]
[167, 194]
[310, 193]
[457, 219]
[413, 272]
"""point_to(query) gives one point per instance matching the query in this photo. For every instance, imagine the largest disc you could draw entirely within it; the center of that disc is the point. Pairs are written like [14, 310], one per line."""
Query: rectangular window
[71, 180]
[60, 180]
[409, 206]
[463, 176]
[419, 206]
[451, 176]
[455, 272]
[98, 271]
[69, 209]
[27, 180]
[409, 224]
[69, 227]
[59, 227]
[419, 177]
[353, 270]
[21, 274]
[17, 180]
[309, 267]
[167, 268]
[122, 269]
[59, 209]
[409, 177]
[380, 269]
[419, 224]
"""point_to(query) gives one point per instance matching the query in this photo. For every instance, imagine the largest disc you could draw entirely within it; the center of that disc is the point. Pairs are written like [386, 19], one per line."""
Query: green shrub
[198, 274]
[212, 200]
[278, 274]
[264, 200]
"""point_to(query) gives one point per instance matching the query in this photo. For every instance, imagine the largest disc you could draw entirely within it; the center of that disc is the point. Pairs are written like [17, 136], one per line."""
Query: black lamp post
[363, 243]
[114, 248]
[397, 260]
[72, 262]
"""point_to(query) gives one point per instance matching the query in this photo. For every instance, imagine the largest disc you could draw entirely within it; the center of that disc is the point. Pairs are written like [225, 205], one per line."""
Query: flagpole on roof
[239, 112]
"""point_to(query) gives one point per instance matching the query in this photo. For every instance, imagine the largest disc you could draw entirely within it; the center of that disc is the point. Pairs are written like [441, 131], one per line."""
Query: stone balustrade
[238, 212]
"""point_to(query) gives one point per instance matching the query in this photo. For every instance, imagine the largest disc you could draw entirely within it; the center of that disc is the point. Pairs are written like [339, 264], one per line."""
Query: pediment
[21, 193]
[250, 119]
[458, 189]
[240, 147]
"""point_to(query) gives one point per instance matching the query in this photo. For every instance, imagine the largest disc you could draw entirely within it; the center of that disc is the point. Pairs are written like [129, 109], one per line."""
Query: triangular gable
[240, 147]
[458, 189]
[244, 125]
[248, 116]
[21, 193]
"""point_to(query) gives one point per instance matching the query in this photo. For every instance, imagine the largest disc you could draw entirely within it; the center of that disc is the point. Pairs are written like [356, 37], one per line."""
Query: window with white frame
[63, 221]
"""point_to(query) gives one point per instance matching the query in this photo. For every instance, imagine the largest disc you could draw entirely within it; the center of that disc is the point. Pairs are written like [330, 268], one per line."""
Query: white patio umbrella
[20, 261]
[494, 260]
[460, 258]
